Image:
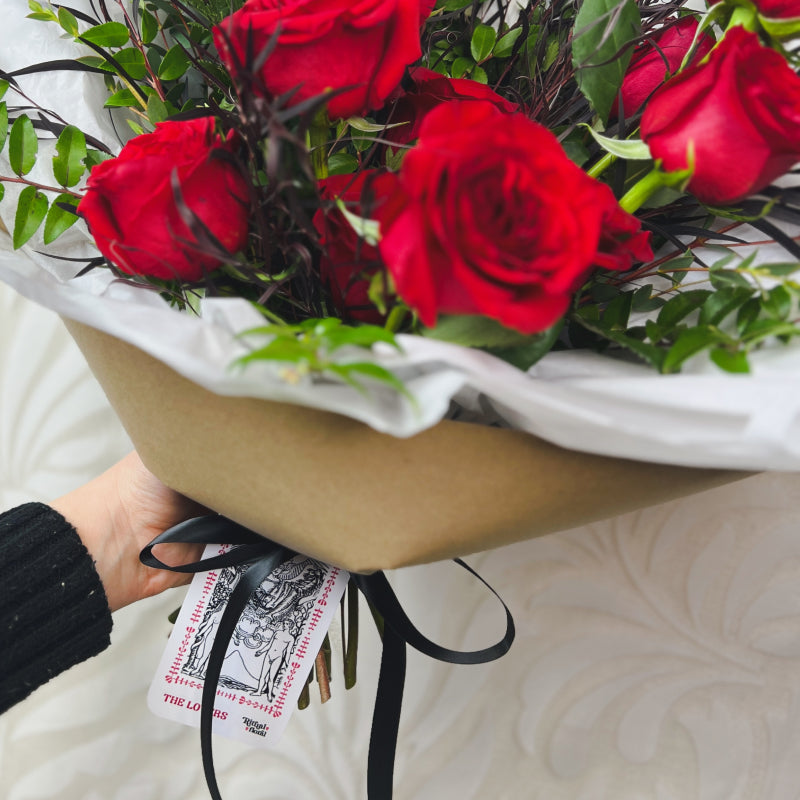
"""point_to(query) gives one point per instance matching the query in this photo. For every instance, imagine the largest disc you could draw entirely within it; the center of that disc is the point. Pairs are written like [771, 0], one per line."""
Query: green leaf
[368, 370]
[156, 109]
[109, 34]
[479, 75]
[3, 88]
[730, 360]
[132, 61]
[780, 270]
[67, 21]
[22, 146]
[474, 331]
[727, 277]
[679, 307]
[95, 157]
[777, 303]
[40, 13]
[482, 42]
[149, 27]
[461, 66]
[2, 191]
[31, 210]
[690, 342]
[524, 356]
[629, 149]
[722, 303]
[602, 29]
[59, 220]
[761, 329]
[3, 124]
[342, 164]
[68, 166]
[616, 314]
[748, 314]
[122, 99]
[505, 44]
[174, 64]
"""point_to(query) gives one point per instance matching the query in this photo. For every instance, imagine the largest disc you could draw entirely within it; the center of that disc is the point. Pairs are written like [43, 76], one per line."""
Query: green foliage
[308, 346]
[31, 210]
[603, 30]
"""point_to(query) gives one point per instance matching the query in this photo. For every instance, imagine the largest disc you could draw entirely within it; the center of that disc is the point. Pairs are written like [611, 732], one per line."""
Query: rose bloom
[429, 89]
[774, 9]
[739, 112]
[659, 56]
[348, 262]
[490, 217]
[131, 210]
[327, 44]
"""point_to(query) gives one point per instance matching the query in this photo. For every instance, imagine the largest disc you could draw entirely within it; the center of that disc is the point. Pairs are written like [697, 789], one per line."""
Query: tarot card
[270, 654]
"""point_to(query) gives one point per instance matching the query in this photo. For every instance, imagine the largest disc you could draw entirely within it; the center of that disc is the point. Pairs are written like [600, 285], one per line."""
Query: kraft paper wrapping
[333, 488]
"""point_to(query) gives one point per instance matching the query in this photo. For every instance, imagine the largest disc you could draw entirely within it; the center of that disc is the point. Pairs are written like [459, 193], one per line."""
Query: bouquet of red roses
[375, 208]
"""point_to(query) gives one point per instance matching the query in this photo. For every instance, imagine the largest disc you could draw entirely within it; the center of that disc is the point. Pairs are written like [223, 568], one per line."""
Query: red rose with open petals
[739, 112]
[429, 89]
[348, 262]
[363, 47]
[658, 57]
[131, 210]
[490, 217]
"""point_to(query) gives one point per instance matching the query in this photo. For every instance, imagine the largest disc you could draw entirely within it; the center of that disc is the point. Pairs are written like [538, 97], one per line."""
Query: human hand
[119, 513]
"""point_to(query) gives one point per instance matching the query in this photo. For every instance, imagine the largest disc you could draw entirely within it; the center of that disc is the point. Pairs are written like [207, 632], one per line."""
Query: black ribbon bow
[263, 557]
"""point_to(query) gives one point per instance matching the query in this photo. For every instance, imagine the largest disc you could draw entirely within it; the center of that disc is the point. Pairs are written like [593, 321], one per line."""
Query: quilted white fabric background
[657, 656]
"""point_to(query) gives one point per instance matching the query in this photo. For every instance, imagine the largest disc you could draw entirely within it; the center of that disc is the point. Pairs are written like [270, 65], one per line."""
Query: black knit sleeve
[53, 609]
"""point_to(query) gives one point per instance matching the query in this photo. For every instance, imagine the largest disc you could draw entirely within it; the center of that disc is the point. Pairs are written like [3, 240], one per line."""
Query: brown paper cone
[334, 489]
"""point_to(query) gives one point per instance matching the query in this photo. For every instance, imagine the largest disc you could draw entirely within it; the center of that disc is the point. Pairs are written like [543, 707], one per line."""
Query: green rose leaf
[602, 30]
[68, 166]
[22, 146]
[31, 210]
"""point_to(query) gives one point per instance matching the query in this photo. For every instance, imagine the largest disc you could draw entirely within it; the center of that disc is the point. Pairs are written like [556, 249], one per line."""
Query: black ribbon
[263, 557]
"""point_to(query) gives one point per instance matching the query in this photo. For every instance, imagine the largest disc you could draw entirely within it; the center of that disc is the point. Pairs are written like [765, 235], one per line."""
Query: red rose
[490, 217]
[327, 44]
[348, 261]
[653, 61]
[739, 112]
[130, 205]
[773, 9]
[428, 90]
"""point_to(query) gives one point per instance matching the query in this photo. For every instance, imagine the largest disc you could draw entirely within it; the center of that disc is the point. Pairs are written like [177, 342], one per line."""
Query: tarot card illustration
[270, 653]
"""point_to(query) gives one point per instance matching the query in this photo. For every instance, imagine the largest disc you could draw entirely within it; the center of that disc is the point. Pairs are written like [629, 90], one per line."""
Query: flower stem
[601, 166]
[643, 189]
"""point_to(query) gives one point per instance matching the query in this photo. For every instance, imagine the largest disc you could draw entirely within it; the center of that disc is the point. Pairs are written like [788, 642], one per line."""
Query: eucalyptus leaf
[679, 307]
[690, 342]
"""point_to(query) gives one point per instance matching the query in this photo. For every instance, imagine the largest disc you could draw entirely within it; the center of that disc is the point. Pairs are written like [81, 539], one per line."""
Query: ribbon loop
[263, 557]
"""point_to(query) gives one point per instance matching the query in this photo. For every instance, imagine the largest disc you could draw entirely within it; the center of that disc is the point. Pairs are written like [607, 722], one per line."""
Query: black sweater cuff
[53, 609]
